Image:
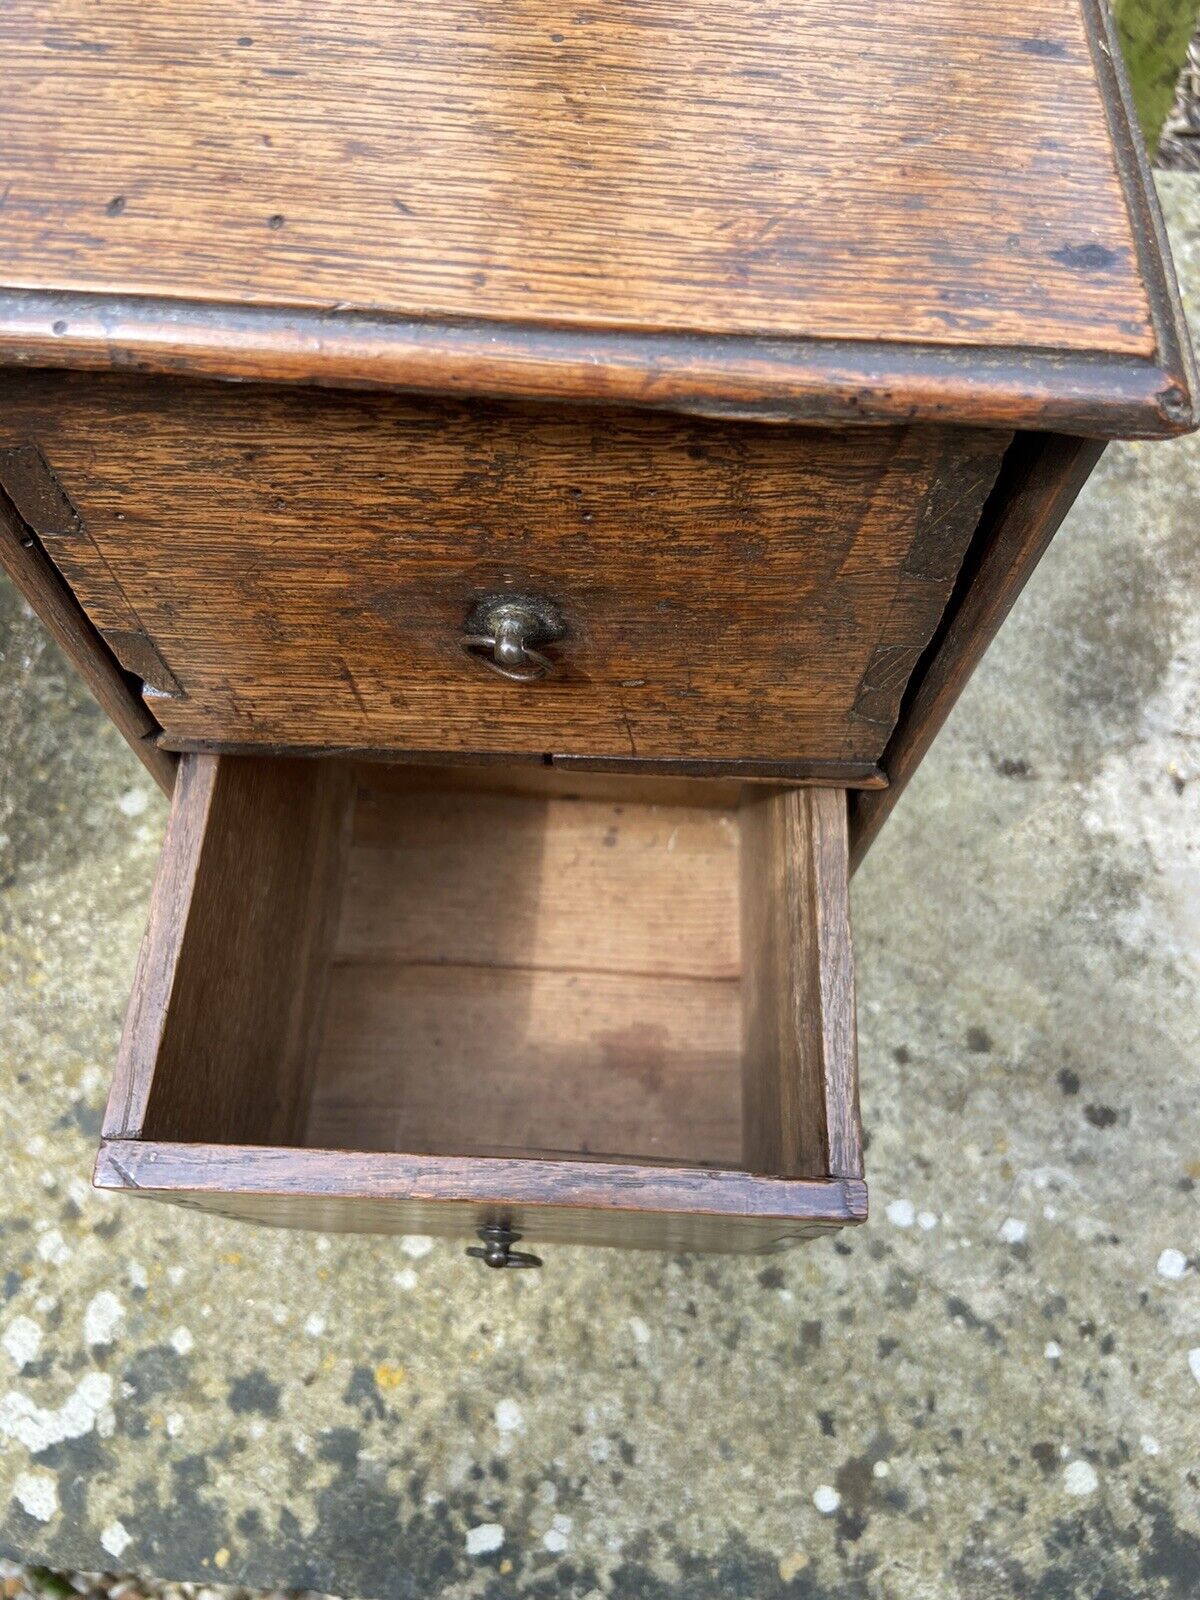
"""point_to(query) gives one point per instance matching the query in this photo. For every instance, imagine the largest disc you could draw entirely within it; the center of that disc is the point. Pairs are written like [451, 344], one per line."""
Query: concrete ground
[991, 1391]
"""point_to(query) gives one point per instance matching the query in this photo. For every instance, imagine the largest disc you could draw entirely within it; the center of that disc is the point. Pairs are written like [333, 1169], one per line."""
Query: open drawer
[581, 1008]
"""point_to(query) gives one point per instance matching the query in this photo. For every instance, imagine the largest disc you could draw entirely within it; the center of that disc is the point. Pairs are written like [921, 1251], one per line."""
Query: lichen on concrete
[990, 1392]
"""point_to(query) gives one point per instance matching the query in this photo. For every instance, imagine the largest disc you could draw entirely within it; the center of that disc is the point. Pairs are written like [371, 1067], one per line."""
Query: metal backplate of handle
[505, 632]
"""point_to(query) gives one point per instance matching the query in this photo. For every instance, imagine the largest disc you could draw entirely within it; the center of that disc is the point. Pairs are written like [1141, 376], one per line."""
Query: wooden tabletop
[941, 175]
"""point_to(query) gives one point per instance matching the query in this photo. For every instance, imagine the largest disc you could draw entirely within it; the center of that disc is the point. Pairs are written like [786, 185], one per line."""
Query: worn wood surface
[46, 509]
[515, 971]
[610, 881]
[304, 564]
[377, 781]
[824, 774]
[1042, 478]
[567, 1202]
[665, 179]
[649, 164]
[748, 377]
[161, 949]
[798, 986]
[527, 967]
[1154, 37]
[220, 1033]
[60, 613]
[453, 1059]
[1175, 354]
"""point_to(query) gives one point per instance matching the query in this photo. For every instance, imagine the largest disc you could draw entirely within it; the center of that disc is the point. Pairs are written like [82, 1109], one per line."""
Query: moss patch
[1154, 36]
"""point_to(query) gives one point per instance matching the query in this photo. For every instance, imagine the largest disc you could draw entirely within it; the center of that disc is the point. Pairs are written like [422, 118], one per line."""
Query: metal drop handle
[504, 633]
[497, 1250]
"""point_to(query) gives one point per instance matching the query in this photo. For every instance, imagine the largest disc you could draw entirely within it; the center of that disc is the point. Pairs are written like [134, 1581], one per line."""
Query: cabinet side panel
[1042, 477]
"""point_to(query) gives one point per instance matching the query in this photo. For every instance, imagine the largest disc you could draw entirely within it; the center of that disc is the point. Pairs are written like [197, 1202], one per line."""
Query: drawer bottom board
[514, 972]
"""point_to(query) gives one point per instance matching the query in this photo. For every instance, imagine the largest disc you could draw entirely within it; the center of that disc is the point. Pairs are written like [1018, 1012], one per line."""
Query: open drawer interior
[508, 979]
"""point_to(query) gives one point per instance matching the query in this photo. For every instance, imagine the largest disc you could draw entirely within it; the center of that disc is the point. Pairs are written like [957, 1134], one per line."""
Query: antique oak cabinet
[530, 481]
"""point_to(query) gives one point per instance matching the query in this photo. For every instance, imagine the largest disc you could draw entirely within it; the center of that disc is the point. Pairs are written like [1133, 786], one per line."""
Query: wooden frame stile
[801, 1047]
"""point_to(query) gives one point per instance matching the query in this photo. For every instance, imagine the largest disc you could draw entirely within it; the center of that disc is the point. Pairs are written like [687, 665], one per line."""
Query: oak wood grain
[227, 995]
[475, 875]
[518, 970]
[60, 613]
[643, 203]
[643, 163]
[304, 565]
[798, 986]
[44, 506]
[378, 781]
[1172, 335]
[526, 967]
[569, 1202]
[468, 1060]
[741, 377]
[824, 774]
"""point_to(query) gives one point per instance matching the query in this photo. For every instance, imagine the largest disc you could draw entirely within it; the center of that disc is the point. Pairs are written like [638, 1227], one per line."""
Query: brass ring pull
[528, 666]
[504, 636]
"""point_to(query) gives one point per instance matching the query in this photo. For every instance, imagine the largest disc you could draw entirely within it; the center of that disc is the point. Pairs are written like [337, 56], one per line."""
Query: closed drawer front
[581, 1007]
[301, 569]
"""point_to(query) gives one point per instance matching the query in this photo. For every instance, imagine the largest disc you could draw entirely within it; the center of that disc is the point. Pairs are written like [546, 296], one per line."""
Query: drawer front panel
[299, 569]
[624, 1207]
